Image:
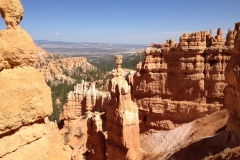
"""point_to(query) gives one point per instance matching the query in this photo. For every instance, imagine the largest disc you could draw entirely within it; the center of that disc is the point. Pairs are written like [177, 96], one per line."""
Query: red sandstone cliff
[217, 75]
[178, 84]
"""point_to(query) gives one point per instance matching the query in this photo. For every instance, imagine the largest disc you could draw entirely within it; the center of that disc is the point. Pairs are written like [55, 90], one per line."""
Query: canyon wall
[179, 83]
[232, 91]
[178, 88]
[222, 145]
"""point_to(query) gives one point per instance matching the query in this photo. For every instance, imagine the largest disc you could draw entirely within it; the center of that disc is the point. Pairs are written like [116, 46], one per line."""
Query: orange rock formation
[81, 103]
[54, 69]
[96, 142]
[177, 88]
[17, 47]
[232, 91]
[25, 99]
[84, 98]
[176, 85]
[123, 140]
[222, 142]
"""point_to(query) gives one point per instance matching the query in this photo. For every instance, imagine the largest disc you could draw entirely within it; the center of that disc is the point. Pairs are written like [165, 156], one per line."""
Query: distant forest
[105, 62]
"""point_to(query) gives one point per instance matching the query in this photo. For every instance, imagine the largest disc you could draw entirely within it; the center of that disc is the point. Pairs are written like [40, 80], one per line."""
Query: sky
[125, 21]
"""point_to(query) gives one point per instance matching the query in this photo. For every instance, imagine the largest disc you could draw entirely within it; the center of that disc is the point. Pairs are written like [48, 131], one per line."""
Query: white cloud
[56, 33]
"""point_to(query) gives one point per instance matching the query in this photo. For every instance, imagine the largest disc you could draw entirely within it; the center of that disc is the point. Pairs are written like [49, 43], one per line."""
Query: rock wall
[24, 95]
[232, 92]
[25, 102]
[179, 83]
[222, 144]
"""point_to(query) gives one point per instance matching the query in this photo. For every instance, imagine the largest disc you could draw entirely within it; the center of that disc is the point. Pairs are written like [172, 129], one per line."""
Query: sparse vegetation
[66, 135]
[60, 92]
[224, 152]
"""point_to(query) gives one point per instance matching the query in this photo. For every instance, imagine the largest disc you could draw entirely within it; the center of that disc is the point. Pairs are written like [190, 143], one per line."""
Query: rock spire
[123, 140]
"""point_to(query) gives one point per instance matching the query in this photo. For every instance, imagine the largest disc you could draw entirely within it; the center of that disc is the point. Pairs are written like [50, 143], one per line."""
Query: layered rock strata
[82, 102]
[232, 92]
[22, 115]
[176, 84]
[123, 141]
[222, 142]
[84, 98]
[25, 97]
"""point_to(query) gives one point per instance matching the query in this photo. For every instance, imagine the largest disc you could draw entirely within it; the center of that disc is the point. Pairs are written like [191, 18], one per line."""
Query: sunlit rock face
[17, 47]
[123, 140]
[84, 98]
[96, 142]
[25, 102]
[232, 91]
[178, 83]
[25, 97]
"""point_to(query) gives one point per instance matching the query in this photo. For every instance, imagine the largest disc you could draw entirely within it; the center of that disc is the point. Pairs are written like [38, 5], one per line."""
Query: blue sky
[125, 21]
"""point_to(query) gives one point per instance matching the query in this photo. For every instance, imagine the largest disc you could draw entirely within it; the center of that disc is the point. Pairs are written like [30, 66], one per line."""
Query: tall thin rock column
[122, 118]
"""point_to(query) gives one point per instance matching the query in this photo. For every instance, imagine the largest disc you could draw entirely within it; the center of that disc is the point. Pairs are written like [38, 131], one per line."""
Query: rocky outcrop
[123, 141]
[24, 95]
[42, 54]
[84, 98]
[17, 47]
[96, 142]
[82, 102]
[59, 69]
[68, 142]
[18, 105]
[22, 114]
[177, 84]
[232, 91]
[221, 143]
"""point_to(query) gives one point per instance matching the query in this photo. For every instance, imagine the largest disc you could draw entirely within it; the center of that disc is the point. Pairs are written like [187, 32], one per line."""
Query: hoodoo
[17, 47]
[180, 83]
[123, 140]
[25, 98]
